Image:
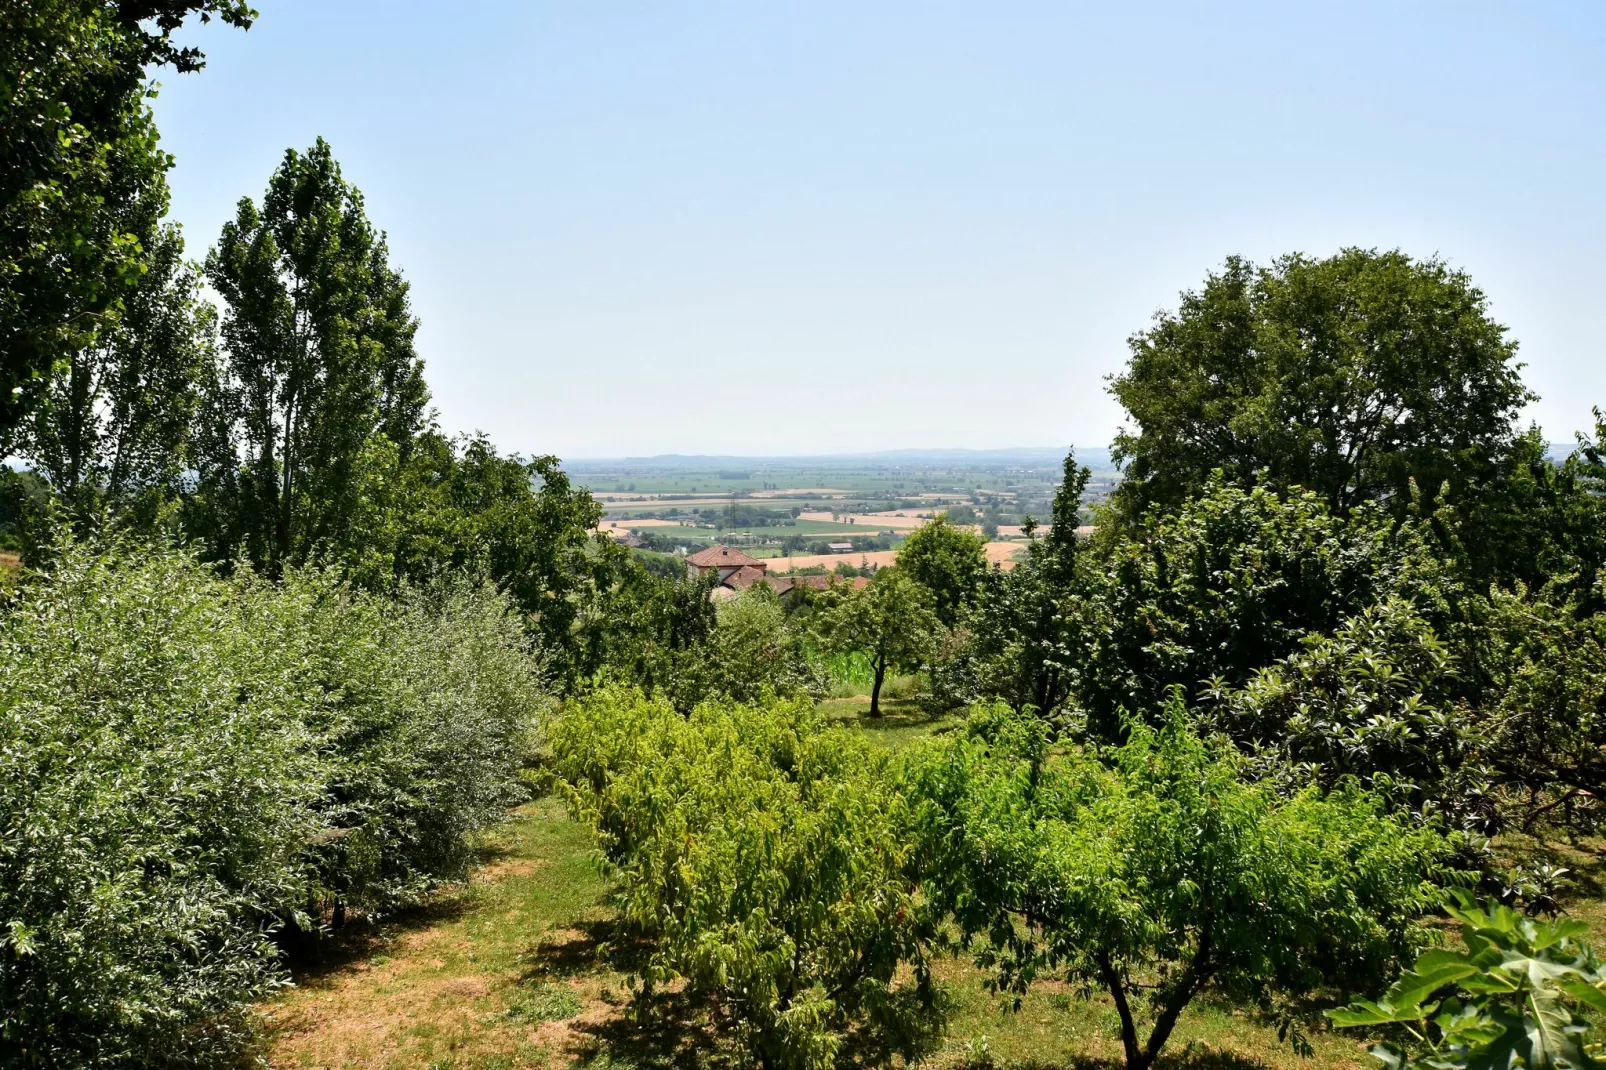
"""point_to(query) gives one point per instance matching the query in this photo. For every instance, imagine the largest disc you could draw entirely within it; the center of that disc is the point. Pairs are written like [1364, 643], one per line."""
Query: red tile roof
[719, 556]
[745, 577]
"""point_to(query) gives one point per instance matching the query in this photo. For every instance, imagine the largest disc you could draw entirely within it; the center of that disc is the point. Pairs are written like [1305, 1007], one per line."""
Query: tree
[461, 505]
[1154, 868]
[948, 562]
[111, 428]
[79, 167]
[1232, 582]
[766, 860]
[319, 364]
[1347, 376]
[1377, 701]
[891, 620]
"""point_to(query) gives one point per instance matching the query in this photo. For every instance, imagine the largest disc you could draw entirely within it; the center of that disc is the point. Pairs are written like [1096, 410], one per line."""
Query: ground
[519, 969]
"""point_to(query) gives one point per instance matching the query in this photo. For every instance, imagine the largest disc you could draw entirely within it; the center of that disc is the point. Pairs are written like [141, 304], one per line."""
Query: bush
[158, 790]
[188, 763]
[424, 708]
[1154, 867]
[764, 857]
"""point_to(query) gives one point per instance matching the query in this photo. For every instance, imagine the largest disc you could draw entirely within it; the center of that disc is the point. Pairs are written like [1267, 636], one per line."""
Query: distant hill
[1096, 457]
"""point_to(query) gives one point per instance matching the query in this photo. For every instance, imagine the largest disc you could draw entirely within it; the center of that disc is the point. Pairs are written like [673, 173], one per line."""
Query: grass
[522, 968]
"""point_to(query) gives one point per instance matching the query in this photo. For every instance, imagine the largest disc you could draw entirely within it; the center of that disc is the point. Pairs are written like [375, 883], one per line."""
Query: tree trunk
[875, 689]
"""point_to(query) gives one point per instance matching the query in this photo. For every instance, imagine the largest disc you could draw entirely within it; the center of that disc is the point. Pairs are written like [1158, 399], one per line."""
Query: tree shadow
[1192, 1057]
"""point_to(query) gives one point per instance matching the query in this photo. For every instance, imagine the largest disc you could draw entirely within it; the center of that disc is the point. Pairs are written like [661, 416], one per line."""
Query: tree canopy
[81, 174]
[1348, 376]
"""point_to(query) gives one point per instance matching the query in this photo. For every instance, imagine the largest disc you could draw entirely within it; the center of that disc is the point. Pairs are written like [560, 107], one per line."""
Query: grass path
[484, 977]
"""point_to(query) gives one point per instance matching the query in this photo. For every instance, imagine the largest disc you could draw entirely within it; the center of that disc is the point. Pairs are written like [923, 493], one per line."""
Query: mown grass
[522, 968]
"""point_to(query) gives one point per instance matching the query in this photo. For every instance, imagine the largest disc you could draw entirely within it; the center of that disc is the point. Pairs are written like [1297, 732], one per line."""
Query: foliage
[1024, 641]
[157, 791]
[947, 561]
[1542, 656]
[1374, 700]
[81, 173]
[891, 620]
[1511, 997]
[757, 653]
[764, 857]
[188, 763]
[111, 430]
[1233, 581]
[24, 498]
[461, 505]
[319, 364]
[425, 709]
[1347, 376]
[1155, 867]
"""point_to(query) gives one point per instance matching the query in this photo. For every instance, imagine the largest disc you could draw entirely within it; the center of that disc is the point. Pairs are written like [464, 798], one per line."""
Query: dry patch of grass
[490, 975]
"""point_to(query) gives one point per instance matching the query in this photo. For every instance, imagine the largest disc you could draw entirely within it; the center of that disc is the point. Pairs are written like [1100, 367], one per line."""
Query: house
[839, 547]
[724, 559]
[737, 572]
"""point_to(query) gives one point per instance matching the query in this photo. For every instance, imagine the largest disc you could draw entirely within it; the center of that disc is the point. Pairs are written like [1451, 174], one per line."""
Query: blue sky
[804, 228]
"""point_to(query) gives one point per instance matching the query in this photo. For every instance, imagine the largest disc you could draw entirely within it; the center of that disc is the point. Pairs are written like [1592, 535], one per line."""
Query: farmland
[772, 508]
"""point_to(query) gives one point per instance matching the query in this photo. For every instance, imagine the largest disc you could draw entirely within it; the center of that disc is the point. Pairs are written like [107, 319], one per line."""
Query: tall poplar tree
[111, 427]
[319, 364]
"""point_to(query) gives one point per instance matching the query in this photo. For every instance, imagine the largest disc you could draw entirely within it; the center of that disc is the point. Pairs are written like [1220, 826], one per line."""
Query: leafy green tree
[1539, 523]
[1347, 376]
[1154, 868]
[948, 562]
[756, 652]
[1511, 997]
[1231, 583]
[319, 362]
[764, 857]
[80, 167]
[891, 620]
[111, 428]
[1378, 700]
[1024, 642]
[460, 505]
[1542, 662]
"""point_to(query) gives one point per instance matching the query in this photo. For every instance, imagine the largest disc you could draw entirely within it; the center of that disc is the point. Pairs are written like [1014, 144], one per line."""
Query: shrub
[765, 858]
[1511, 997]
[1154, 867]
[188, 763]
[158, 787]
[424, 708]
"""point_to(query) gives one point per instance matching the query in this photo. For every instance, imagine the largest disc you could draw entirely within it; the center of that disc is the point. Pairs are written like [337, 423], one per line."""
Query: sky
[805, 228]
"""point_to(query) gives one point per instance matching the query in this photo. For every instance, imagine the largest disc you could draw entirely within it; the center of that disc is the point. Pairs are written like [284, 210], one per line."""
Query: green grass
[522, 969]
